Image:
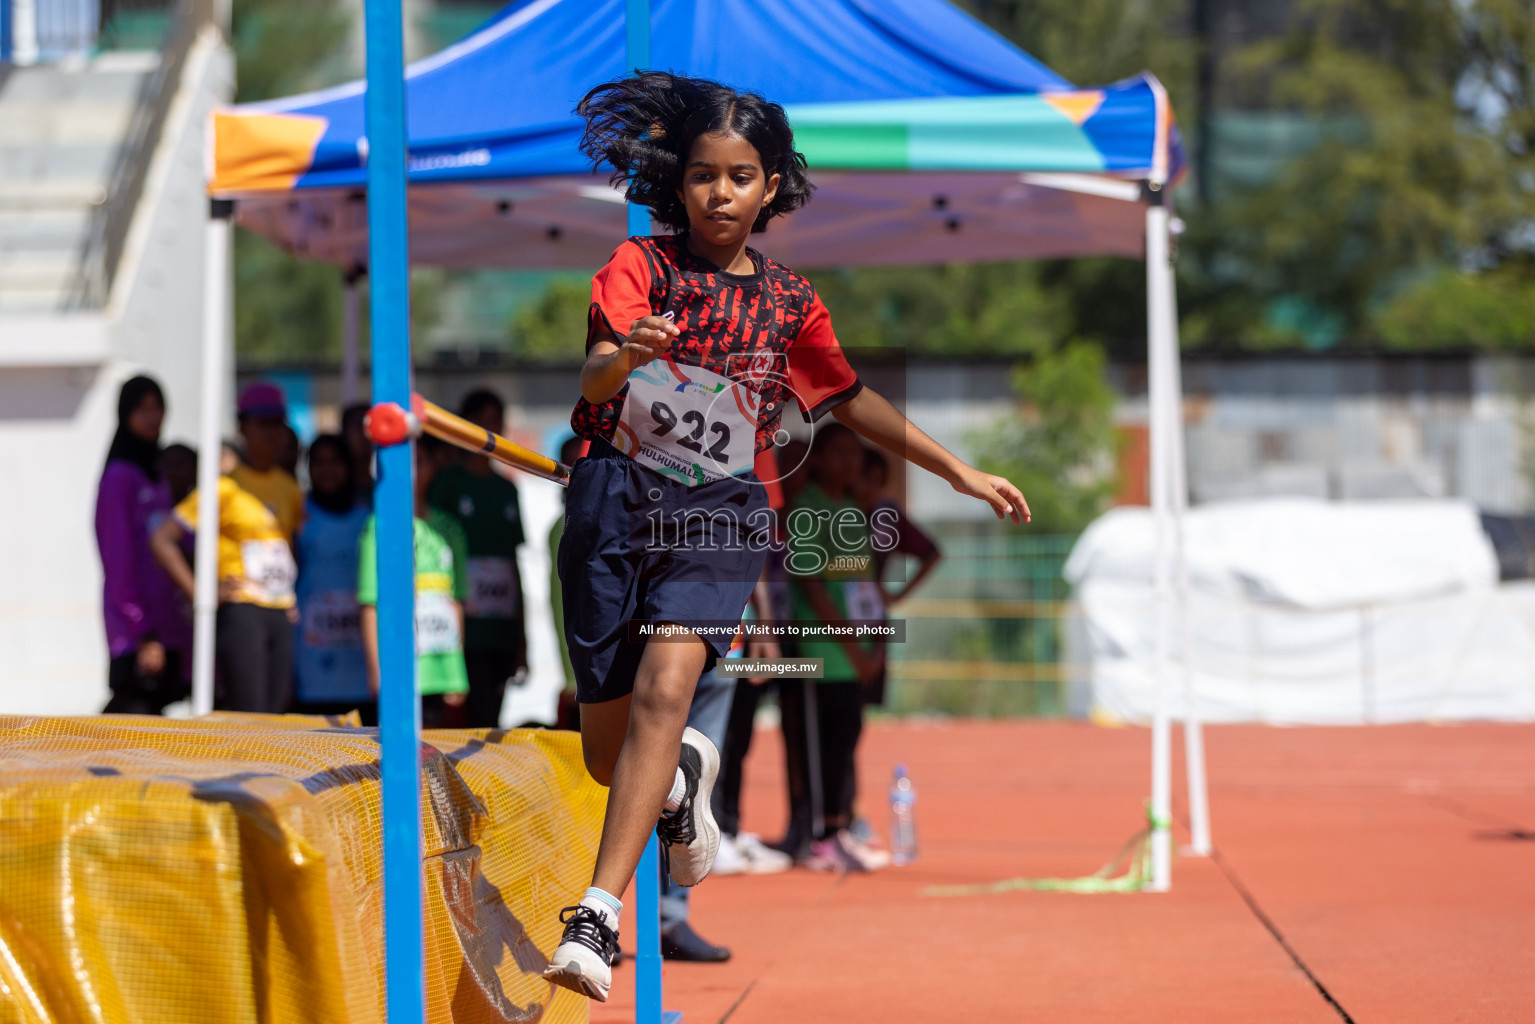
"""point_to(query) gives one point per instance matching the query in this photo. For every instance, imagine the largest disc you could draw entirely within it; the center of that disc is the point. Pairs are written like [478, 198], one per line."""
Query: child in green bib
[441, 585]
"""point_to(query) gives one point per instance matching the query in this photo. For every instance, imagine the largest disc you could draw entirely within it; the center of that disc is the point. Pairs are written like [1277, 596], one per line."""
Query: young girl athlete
[694, 344]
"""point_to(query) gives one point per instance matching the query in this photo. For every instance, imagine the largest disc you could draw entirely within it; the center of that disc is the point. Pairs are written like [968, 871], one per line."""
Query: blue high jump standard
[399, 702]
[647, 878]
[394, 505]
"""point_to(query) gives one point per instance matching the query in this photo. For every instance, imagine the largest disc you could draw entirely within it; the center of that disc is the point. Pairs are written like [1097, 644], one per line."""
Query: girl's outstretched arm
[870, 415]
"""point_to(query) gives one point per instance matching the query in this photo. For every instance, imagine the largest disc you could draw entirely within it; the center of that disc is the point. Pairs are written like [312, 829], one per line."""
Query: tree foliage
[554, 326]
[1059, 449]
[999, 309]
[284, 309]
[280, 44]
[1422, 174]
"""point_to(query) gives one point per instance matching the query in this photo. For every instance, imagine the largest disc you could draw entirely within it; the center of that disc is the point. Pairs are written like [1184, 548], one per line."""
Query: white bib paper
[688, 423]
[863, 601]
[331, 620]
[492, 589]
[436, 624]
[269, 570]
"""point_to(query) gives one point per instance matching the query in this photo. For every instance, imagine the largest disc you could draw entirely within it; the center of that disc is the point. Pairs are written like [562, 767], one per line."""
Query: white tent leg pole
[205, 603]
[1193, 727]
[1157, 318]
[23, 32]
[349, 360]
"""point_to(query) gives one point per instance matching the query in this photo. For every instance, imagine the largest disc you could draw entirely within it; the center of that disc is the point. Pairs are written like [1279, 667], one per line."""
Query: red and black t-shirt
[767, 330]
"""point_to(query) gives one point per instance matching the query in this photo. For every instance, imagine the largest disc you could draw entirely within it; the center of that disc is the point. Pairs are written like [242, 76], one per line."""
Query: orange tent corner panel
[262, 152]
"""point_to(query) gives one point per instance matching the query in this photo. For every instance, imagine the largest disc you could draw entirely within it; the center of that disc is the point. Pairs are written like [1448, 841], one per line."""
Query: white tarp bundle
[1311, 612]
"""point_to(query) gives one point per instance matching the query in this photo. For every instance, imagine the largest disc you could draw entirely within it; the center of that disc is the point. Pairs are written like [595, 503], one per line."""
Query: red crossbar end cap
[387, 424]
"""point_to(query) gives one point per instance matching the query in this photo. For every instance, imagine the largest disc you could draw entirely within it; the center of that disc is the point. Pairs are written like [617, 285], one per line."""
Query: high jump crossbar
[390, 424]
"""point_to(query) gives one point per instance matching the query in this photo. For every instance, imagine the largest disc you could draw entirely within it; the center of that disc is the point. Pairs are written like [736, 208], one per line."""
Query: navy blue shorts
[640, 547]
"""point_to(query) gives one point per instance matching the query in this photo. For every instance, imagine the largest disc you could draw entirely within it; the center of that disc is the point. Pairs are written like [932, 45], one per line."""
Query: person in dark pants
[836, 588]
[485, 504]
[147, 630]
[254, 637]
[743, 852]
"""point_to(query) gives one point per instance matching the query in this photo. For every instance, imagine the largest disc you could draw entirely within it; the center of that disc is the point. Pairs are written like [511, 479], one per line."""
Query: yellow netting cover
[229, 869]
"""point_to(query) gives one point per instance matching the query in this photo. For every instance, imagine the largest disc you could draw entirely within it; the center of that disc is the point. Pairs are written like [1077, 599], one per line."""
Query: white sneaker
[729, 861]
[690, 838]
[759, 858]
[867, 858]
[583, 960]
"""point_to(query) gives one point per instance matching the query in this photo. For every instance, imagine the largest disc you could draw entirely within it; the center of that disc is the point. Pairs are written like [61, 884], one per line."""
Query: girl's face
[327, 470]
[724, 188]
[145, 419]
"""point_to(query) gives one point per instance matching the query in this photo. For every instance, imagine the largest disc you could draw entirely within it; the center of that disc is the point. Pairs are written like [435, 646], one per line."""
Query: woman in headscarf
[146, 624]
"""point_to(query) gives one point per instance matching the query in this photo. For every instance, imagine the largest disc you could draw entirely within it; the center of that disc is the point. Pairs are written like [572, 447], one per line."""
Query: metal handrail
[102, 249]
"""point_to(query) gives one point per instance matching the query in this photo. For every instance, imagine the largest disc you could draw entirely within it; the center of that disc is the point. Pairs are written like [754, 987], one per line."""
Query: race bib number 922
[688, 423]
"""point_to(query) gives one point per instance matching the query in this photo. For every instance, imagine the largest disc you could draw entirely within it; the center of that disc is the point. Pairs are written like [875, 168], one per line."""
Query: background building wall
[59, 378]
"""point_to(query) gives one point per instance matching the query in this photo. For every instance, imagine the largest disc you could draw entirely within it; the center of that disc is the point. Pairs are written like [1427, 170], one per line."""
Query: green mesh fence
[984, 633]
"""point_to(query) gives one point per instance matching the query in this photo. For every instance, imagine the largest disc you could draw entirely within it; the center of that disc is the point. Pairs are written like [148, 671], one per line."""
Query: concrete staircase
[103, 257]
[61, 129]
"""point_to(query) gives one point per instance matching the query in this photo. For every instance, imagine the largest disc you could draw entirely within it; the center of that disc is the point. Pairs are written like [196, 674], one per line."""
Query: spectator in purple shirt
[147, 631]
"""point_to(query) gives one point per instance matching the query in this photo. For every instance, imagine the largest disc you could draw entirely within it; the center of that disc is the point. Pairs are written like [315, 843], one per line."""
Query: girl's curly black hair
[643, 127]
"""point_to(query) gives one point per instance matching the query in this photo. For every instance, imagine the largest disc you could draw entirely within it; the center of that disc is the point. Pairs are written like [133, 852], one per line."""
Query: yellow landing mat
[229, 869]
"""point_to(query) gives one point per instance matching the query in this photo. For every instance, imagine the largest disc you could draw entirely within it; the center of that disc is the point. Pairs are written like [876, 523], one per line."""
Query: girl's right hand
[866, 664]
[230, 588]
[648, 339]
[151, 658]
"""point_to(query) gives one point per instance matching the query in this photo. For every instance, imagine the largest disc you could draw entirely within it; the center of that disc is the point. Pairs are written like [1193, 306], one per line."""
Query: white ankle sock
[679, 790]
[605, 904]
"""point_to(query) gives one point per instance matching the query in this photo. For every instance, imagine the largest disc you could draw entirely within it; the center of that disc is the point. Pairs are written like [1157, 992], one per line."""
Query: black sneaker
[583, 962]
[681, 942]
[690, 838]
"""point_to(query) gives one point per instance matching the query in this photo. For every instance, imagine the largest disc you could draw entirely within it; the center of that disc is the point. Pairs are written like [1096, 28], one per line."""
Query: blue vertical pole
[399, 708]
[5, 31]
[647, 880]
[647, 941]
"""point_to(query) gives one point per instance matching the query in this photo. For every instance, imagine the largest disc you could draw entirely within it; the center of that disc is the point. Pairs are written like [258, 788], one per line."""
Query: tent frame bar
[1170, 582]
[205, 595]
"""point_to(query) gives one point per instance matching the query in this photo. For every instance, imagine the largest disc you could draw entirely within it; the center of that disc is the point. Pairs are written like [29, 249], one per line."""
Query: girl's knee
[666, 693]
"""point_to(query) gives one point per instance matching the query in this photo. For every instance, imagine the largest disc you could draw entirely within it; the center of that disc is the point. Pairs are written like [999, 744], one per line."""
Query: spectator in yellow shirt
[254, 640]
[263, 418]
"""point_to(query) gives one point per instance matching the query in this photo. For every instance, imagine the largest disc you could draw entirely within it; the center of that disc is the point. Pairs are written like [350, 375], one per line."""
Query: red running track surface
[1396, 863]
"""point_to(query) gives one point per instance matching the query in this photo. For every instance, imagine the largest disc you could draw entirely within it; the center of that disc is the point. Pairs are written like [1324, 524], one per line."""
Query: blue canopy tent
[930, 139]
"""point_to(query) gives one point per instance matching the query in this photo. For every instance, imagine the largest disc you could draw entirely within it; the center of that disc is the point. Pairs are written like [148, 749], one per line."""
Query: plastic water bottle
[903, 821]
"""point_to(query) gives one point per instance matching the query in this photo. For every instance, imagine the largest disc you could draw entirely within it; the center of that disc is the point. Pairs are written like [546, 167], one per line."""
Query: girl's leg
[644, 766]
[634, 745]
[841, 719]
[280, 667]
[241, 649]
[603, 728]
[791, 706]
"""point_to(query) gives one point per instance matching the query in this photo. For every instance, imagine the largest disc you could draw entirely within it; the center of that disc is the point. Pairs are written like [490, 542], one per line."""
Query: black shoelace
[678, 829]
[586, 926]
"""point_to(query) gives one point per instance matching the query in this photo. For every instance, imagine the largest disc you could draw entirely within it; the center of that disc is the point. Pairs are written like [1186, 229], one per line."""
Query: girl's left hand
[1005, 499]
